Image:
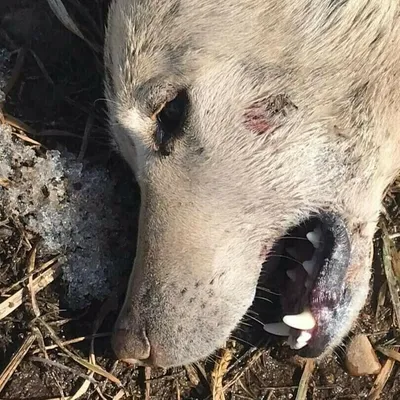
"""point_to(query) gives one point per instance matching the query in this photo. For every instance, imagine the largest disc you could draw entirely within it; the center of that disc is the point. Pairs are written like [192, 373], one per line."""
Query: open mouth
[314, 259]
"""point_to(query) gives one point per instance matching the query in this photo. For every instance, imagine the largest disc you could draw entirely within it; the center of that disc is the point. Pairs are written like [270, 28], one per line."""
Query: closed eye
[170, 120]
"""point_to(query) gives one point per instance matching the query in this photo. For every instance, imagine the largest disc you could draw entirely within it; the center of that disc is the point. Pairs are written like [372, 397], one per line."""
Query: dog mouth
[314, 258]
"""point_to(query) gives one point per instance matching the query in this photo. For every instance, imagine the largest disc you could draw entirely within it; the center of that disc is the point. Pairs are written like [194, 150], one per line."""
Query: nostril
[130, 345]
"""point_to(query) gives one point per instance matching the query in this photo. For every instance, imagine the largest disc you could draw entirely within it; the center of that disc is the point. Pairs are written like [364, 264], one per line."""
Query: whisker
[245, 324]
[254, 319]
[286, 257]
[294, 237]
[267, 291]
[242, 340]
[263, 298]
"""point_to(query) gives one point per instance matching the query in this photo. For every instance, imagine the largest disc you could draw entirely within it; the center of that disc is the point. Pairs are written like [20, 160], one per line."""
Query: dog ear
[268, 113]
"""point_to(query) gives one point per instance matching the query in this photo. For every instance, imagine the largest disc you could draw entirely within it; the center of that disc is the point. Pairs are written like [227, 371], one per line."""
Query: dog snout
[131, 345]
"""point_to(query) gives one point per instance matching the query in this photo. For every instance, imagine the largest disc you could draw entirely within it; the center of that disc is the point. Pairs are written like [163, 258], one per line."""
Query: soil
[59, 87]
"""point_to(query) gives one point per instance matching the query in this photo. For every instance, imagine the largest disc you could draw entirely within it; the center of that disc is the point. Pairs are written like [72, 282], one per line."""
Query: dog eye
[170, 121]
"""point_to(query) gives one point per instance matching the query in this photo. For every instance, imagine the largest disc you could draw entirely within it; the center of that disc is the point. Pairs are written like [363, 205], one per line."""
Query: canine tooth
[291, 274]
[277, 328]
[315, 237]
[309, 266]
[299, 345]
[304, 337]
[302, 321]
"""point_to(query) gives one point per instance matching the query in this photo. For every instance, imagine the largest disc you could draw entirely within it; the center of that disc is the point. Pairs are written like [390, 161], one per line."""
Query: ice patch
[75, 211]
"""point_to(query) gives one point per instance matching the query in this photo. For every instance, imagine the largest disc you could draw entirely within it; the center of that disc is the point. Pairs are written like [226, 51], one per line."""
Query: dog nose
[131, 346]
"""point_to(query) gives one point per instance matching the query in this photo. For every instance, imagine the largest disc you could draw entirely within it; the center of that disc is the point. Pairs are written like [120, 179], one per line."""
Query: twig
[64, 367]
[83, 389]
[15, 361]
[388, 250]
[39, 283]
[305, 379]
[75, 340]
[32, 292]
[94, 368]
[192, 375]
[381, 380]
[26, 277]
[110, 304]
[18, 124]
[120, 395]
[243, 370]
[147, 376]
[178, 390]
[390, 353]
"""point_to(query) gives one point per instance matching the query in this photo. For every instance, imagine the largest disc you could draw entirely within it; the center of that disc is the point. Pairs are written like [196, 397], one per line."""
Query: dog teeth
[310, 266]
[302, 321]
[278, 329]
[298, 345]
[304, 337]
[291, 341]
[291, 274]
[315, 237]
[300, 342]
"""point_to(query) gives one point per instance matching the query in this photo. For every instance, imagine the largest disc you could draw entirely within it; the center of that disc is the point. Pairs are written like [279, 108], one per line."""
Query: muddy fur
[293, 109]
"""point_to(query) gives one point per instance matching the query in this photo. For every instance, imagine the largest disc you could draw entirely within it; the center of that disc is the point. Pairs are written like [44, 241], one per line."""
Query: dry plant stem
[120, 395]
[26, 277]
[381, 380]
[109, 305]
[243, 370]
[75, 340]
[94, 368]
[381, 301]
[64, 367]
[305, 379]
[42, 68]
[16, 72]
[82, 390]
[39, 283]
[15, 361]
[40, 340]
[17, 124]
[178, 390]
[388, 250]
[61, 13]
[388, 352]
[147, 376]
[192, 375]
[30, 269]
[86, 135]
[4, 182]
[218, 374]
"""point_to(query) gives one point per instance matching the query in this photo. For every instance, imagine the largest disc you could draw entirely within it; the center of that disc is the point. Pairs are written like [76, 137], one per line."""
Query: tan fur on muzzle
[240, 119]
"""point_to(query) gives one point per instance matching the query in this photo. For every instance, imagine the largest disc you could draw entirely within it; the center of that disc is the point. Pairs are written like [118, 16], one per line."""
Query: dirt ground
[56, 91]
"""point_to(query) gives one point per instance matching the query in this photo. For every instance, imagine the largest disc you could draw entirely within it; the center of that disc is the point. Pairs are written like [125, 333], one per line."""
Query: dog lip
[329, 294]
[315, 289]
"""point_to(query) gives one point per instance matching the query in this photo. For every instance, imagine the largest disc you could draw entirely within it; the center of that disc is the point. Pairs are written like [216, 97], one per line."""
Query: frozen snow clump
[76, 211]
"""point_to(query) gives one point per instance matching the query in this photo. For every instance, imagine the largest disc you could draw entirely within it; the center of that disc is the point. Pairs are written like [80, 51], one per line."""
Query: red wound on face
[268, 113]
[255, 120]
